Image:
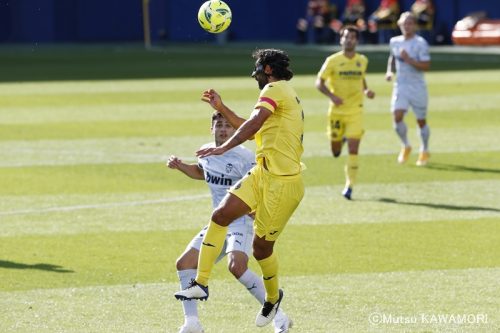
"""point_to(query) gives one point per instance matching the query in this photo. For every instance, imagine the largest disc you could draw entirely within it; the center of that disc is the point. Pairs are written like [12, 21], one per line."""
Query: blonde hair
[406, 15]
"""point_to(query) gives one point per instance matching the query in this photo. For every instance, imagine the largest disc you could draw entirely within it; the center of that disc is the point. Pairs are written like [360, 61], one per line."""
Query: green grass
[91, 221]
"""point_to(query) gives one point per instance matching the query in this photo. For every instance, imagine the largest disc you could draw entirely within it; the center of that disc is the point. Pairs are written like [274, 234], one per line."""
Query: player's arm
[245, 132]
[213, 98]
[368, 92]
[321, 86]
[420, 65]
[391, 67]
[190, 170]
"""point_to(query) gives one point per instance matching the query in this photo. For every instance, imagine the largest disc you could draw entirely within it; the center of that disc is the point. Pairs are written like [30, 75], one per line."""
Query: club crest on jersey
[229, 168]
[358, 64]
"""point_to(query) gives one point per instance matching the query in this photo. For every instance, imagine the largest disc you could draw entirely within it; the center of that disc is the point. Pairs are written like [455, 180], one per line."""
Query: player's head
[221, 128]
[408, 23]
[271, 62]
[349, 36]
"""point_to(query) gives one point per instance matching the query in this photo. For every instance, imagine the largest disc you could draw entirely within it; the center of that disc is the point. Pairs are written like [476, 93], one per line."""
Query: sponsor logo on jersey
[218, 180]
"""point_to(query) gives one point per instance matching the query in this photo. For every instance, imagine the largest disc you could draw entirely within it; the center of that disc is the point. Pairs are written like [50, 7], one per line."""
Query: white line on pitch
[104, 205]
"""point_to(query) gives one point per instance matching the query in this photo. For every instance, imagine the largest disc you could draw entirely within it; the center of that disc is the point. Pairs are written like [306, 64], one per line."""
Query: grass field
[91, 221]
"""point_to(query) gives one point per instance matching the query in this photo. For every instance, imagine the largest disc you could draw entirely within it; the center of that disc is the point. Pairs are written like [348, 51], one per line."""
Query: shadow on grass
[42, 267]
[440, 206]
[460, 168]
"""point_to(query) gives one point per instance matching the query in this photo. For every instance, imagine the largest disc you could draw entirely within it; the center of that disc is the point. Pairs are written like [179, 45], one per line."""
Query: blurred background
[74, 21]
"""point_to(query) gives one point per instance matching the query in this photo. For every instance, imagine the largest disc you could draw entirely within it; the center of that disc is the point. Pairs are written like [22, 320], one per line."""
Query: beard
[262, 80]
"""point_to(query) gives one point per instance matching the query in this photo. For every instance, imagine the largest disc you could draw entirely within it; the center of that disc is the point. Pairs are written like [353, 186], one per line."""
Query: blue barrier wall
[37, 21]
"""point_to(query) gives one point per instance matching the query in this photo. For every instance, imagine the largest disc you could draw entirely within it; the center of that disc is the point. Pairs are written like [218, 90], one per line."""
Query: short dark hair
[350, 28]
[216, 116]
[278, 60]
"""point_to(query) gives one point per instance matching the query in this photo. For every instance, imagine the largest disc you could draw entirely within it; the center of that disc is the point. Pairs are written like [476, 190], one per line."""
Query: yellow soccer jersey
[344, 77]
[279, 140]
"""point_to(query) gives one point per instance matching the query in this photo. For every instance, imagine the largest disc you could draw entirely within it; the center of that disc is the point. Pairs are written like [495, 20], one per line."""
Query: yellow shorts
[272, 198]
[349, 126]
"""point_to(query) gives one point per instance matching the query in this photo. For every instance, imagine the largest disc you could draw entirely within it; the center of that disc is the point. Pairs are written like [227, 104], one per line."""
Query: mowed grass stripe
[323, 205]
[178, 127]
[156, 149]
[126, 178]
[351, 300]
[121, 258]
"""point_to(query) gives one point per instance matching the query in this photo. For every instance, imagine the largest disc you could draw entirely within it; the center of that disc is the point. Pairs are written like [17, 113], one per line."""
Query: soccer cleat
[423, 158]
[404, 154]
[347, 193]
[191, 327]
[282, 323]
[268, 311]
[193, 291]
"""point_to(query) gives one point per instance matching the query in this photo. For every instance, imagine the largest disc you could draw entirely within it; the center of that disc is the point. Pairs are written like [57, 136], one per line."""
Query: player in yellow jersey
[342, 80]
[272, 189]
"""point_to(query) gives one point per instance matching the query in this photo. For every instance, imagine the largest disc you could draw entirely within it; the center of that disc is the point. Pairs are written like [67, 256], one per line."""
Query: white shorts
[404, 96]
[239, 238]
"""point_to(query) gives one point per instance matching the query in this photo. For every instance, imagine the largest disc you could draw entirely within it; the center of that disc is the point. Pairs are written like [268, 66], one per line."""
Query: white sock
[190, 307]
[425, 133]
[402, 131]
[254, 285]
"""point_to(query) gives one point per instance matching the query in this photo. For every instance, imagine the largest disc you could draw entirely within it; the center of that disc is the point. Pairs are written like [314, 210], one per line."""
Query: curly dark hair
[278, 60]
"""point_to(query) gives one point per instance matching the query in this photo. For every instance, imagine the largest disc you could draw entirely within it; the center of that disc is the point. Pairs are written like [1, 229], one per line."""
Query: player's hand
[210, 151]
[337, 100]
[388, 76]
[369, 93]
[173, 162]
[213, 98]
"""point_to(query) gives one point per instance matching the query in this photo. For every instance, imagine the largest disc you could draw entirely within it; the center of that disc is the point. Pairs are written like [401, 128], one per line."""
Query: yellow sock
[210, 250]
[351, 170]
[269, 267]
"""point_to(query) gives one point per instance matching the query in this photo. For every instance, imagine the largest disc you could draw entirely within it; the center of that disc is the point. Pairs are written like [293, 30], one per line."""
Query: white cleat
[282, 323]
[193, 291]
[191, 327]
[268, 311]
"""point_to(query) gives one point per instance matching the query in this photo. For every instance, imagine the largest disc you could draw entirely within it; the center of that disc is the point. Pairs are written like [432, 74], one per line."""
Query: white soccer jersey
[223, 171]
[418, 49]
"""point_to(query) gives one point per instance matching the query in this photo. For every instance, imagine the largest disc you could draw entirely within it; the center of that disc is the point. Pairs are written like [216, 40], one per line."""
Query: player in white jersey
[409, 57]
[221, 172]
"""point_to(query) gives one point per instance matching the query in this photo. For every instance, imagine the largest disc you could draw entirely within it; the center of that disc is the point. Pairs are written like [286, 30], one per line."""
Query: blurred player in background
[409, 57]
[273, 189]
[342, 80]
[221, 172]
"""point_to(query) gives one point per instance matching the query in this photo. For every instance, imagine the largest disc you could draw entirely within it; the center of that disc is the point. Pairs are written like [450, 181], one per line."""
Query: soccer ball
[214, 16]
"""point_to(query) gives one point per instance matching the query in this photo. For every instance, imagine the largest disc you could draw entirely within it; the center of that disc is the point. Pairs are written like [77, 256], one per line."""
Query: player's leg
[420, 109]
[186, 270]
[351, 167]
[279, 199]
[239, 247]
[425, 133]
[354, 131]
[399, 106]
[230, 208]
[335, 131]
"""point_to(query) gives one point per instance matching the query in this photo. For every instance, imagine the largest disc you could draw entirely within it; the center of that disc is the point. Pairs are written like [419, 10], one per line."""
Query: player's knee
[181, 264]
[237, 267]
[219, 217]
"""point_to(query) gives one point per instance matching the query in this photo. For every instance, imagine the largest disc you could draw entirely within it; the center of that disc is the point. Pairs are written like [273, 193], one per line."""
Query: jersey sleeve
[269, 98]
[326, 70]
[364, 60]
[423, 52]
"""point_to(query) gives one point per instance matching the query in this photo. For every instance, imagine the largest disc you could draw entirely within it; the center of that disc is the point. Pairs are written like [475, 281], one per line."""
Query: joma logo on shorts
[218, 180]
